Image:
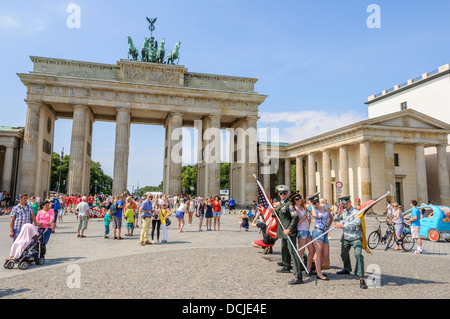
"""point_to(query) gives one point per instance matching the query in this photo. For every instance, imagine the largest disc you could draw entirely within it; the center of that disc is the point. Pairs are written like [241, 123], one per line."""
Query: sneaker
[418, 252]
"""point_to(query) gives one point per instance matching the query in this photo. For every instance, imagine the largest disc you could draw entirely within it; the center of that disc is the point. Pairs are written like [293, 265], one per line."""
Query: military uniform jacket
[288, 218]
[352, 225]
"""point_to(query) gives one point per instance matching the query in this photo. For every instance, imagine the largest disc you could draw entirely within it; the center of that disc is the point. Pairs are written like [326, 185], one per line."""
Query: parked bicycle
[376, 237]
[406, 240]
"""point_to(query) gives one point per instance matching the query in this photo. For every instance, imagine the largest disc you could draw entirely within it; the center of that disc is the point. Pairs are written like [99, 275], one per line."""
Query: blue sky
[317, 61]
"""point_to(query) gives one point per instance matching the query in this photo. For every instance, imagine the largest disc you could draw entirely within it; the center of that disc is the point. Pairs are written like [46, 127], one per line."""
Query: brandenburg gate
[140, 92]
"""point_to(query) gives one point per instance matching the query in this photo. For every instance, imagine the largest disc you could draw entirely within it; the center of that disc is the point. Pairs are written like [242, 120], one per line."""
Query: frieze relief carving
[153, 76]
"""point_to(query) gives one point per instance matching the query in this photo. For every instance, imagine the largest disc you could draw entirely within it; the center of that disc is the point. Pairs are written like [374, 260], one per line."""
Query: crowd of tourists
[294, 213]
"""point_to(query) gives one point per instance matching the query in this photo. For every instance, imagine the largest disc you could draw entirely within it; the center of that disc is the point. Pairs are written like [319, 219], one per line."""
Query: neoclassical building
[10, 146]
[371, 157]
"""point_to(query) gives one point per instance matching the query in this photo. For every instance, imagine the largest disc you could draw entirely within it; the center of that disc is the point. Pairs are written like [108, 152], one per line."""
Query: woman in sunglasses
[323, 220]
[304, 235]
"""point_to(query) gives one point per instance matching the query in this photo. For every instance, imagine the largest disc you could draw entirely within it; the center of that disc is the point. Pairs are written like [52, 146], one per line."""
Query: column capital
[33, 102]
[253, 118]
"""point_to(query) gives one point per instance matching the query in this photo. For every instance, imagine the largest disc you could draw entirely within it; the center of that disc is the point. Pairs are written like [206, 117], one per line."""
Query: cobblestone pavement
[210, 265]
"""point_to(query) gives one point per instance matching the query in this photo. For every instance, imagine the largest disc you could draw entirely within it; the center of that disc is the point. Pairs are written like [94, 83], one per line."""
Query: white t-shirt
[304, 225]
[182, 208]
[82, 208]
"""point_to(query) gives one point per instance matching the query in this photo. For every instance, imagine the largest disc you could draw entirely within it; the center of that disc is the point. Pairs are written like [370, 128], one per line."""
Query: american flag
[266, 209]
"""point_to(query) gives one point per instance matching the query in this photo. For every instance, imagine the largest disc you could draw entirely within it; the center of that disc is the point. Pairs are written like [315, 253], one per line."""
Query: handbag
[168, 222]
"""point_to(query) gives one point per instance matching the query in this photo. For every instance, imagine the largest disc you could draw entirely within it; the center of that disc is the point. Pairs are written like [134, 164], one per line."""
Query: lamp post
[60, 165]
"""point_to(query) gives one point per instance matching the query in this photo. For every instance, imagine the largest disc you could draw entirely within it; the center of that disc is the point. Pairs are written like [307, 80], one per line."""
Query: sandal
[325, 279]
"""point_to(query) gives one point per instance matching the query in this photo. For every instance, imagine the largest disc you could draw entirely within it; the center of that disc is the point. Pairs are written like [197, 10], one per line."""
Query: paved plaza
[209, 265]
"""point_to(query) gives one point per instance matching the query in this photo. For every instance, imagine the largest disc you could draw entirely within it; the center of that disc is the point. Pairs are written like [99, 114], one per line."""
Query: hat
[344, 199]
[282, 188]
[295, 195]
[314, 197]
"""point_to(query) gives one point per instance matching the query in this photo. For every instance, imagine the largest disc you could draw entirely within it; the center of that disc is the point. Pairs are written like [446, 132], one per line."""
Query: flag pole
[352, 215]
[280, 223]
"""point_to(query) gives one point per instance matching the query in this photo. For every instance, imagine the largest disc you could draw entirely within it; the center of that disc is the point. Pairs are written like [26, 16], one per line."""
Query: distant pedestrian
[191, 208]
[83, 218]
[44, 219]
[179, 214]
[209, 214]
[201, 208]
[129, 216]
[156, 221]
[232, 205]
[20, 215]
[146, 214]
[415, 226]
[107, 221]
[217, 212]
[243, 223]
[164, 214]
[117, 218]
[399, 224]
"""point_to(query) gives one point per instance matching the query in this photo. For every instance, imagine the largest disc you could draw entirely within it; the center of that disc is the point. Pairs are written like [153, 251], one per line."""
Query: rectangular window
[315, 164]
[396, 163]
[403, 106]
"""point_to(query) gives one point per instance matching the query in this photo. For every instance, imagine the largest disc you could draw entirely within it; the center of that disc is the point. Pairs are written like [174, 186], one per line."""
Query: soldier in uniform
[351, 238]
[289, 219]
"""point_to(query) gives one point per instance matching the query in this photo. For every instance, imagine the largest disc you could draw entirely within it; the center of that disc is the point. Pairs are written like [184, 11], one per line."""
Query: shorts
[244, 226]
[304, 234]
[117, 222]
[415, 232]
[130, 225]
[233, 207]
[179, 214]
[219, 213]
[317, 232]
[60, 212]
[82, 222]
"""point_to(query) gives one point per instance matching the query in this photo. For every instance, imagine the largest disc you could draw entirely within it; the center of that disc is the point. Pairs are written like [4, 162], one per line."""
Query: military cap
[295, 195]
[282, 188]
[313, 197]
[344, 199]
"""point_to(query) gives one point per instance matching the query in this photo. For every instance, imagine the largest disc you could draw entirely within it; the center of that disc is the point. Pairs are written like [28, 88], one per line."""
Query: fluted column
[8, 168]
[121, 150]
[77, 150]
[30, 157]
[174, 153]
[366, 182]
[389, 169]
[421, 175]
[311, 174]
[299, 174]
[326, 173]
[212, 155]
[443, 177]
[287, 173]
[343, 170]
[251, 192]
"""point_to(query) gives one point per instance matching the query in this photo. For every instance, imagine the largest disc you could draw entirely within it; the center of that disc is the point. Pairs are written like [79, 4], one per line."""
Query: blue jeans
[47, 235]
[317, 232]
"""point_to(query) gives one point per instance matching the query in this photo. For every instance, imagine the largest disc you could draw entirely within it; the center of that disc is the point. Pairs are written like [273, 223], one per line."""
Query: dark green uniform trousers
[357, 247]
[288, 253]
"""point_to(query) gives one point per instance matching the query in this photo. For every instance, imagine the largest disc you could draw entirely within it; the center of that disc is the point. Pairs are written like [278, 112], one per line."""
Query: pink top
[45, 217]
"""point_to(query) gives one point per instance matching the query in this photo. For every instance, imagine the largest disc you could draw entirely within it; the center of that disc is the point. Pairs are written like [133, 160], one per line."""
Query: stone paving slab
[211, 265]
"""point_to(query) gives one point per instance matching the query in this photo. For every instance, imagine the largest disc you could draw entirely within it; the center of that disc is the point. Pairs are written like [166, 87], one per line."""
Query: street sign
[339, 185]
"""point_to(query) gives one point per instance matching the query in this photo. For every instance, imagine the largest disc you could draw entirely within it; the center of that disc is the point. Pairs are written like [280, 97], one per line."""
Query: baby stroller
[34, 252]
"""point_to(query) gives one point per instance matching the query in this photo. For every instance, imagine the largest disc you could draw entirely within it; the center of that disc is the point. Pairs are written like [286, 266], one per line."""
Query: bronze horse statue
[174, 55]
[132, 50]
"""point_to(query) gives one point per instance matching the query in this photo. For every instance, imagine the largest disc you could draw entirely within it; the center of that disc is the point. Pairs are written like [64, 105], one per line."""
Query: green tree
[224, 175]
[189, 179]
[97, 176]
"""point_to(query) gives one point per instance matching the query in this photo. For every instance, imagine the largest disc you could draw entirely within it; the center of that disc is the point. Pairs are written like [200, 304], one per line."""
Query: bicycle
[406, 240]
[376, 237]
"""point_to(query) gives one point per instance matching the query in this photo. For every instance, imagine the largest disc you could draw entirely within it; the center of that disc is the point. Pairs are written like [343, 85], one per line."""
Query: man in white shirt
[83, 218]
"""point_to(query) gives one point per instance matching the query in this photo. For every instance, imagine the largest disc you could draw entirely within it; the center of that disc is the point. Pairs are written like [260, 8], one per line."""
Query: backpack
[114, 210]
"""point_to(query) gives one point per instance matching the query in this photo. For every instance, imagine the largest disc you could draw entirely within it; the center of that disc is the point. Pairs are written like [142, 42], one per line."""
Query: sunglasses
[283, 193]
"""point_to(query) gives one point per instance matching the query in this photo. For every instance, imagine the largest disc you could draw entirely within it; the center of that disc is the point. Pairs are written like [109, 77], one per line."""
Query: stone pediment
[409, 119]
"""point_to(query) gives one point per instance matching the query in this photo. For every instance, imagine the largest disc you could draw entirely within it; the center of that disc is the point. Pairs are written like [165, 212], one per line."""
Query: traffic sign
[339, 185]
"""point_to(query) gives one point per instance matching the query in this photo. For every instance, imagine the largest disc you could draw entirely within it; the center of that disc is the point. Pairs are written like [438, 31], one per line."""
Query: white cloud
[24, 25]
[9, 22]
[306, 124]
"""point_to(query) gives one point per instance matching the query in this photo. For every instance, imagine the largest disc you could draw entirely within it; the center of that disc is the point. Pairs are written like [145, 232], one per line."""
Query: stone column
[8, 168]
[287, 173]
[27, 184]
[343, 170]
[251, 190]
[326, 173]
[299, 174]
[421, 173]
[443, 177]
[311, 174]
[212, 155]
[121, 150]
[174, 153]
[280, 172]
[366, 183]
[389, 169]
